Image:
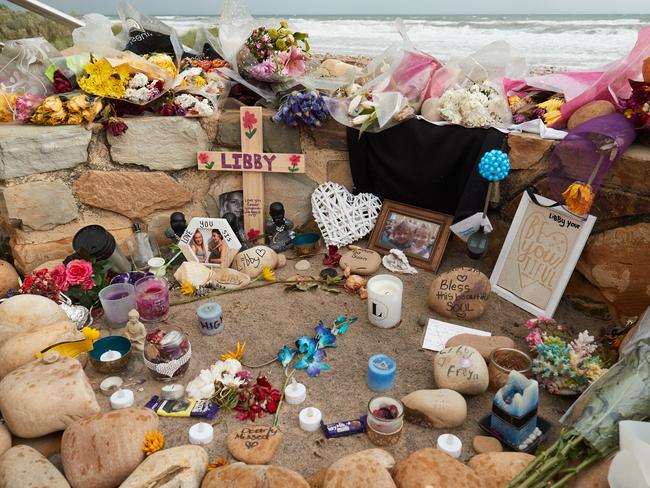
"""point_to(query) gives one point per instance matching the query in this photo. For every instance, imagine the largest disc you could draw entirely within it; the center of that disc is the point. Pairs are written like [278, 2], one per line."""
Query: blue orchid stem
[288, 376]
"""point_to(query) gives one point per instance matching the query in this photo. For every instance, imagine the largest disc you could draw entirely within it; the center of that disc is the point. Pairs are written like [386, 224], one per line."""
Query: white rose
[201, 387]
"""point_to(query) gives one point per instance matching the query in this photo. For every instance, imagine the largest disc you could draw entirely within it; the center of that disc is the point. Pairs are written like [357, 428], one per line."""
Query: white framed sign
[539, 254]
[211, 242]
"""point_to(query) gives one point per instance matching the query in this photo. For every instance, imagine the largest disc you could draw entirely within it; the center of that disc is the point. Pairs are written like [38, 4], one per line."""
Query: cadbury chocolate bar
[183, 408]
[345, 428]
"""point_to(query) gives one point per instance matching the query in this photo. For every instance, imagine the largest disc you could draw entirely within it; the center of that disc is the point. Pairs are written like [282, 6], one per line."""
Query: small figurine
[278, 230]
[135, 330]
[231, 218]
[177, 226]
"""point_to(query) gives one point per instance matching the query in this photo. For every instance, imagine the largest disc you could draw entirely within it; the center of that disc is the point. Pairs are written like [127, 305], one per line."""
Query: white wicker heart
[343, 218]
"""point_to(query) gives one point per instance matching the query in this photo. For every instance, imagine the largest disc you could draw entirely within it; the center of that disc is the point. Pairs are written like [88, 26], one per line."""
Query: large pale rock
[254, 444]
[24, 467]
[240, 475]
[630, 172]
[589, 111]
[8, 278]
[24, 313]
[483, 344]
[42, 397]
[330, 135]
[432, 467]
[27, 149]
[526, 150]
[47, 445]
[462, 369]
[460, 293]
[134, 194]
[39, 205]
[101, 450]
[365, 468]
[338, 171]
[160, 143]
[177, 467]
[616, 262]
[497, 469]
[440, 409]
[253, 260]
[5, 439]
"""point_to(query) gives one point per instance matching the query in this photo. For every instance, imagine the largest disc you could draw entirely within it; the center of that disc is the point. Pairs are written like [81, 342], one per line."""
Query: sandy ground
[270, 317]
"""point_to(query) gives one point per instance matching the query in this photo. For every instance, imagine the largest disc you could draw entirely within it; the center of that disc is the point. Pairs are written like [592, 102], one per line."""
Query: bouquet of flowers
[564, 365]
[637, 107]
[474, 105]
[189, 105]
[536, 104]
[306, 107]
[71, 109]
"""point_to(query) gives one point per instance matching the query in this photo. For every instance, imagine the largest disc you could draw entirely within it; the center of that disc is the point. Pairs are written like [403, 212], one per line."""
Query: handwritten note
[438, 333]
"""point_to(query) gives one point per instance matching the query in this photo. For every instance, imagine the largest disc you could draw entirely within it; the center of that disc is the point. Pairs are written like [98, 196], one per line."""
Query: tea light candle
[210, 318]
[122, 398]
[110, 385]
[201, 433]
[110, 355]
[450, 444]
[156, 265]
[295, 393]
[309, 419]
[385, 301]
[381, 373]
[172, 392]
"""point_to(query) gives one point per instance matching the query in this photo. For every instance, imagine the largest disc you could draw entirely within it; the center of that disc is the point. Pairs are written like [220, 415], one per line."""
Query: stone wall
[56, 180]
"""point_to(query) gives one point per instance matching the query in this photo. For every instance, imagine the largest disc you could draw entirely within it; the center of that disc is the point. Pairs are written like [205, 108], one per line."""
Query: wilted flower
[116, 126]
[578, 197]
[61, 82]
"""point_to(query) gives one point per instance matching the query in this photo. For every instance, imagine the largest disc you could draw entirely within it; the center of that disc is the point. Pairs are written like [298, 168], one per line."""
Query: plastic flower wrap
[189, 105]
[536, 104]
[71, 109]
[474, 105]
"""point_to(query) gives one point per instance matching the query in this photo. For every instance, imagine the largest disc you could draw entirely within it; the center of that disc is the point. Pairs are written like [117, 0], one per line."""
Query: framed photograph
[209, 241]
[539, 254]
[420, 233]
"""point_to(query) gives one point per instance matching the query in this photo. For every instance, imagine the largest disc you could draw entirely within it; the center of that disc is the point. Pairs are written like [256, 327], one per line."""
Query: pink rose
[60, 278]
[78, 271]
[88, 284]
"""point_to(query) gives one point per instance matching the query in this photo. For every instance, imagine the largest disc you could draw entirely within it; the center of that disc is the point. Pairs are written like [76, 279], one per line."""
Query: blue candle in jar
[210, 318]
[381, 373]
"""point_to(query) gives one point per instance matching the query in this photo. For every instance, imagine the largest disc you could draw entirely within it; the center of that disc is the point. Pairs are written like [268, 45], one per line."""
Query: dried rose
[115, 126]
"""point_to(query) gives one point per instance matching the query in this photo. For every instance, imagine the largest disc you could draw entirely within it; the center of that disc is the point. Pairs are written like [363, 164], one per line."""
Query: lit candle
[450, 444]
[201, 433]
[385, 301]
[122, 398]
[210, 318]
[110, 355]
[381, 373]
[295, 393]
[309, 419]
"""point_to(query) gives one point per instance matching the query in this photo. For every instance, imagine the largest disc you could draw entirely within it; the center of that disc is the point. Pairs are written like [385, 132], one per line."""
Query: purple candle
[117, 301]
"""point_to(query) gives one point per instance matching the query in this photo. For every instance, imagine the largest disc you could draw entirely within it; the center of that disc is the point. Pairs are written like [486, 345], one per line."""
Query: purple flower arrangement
[306, 107]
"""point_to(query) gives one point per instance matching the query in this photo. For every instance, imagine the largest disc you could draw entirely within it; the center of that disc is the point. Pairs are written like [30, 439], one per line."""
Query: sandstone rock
[241, 475]
[134, 194]
[318, 478]
[589, 111]
[100, 451]
[160, 143]
[497, 469]
[461, 368]
[432, 467]
[339, 171]
[526, 150]
[294, 191]
[440, 409]
[8, 278]
[176, 467]
[484, 443]
[365, 468]
[5, 439]
[47, 445]
[361, 261]
[302, 265]
[254, 444]
[630, 172]
[24, 313]
[616, 261]
[22, 466]
[277, 137]
[483, 344]
[594, 476]
[460, 293]
[330, 135]
[253, 260]
[27, 149]
[39, 205]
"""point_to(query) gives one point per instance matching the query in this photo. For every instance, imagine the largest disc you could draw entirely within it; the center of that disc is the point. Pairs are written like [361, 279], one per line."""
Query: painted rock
[254, 444]
[361, 261]
[432, 467]
[5, 439]
[589, 111]
[8, 278]
[23, 313]
[484, 443]
[440, 409]
[483, 344]
[182, 466]
[460, 293]
[251, 261]
[22, 466]
[240, 475]
[497, 469]
[365, 468]
[462, 369]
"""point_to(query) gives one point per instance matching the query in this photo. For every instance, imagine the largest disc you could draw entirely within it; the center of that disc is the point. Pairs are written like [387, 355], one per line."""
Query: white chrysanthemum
[202, 107]
[139, 95]
[217, 370]
[138, 81]
[201, 387]
[231, 381]
[185, 100]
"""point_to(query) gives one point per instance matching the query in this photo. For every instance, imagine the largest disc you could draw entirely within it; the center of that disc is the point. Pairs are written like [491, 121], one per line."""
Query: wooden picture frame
[539, 255]
[421, 234]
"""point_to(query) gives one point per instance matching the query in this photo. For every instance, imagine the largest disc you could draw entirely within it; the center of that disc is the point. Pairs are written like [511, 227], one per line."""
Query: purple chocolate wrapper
[345, 428]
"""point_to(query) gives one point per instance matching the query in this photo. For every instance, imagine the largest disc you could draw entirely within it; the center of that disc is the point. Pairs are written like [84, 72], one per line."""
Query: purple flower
[519, 118]
[314, 363]
[25, 106]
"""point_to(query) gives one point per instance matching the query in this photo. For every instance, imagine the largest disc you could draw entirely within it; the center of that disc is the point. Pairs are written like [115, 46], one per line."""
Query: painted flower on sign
[249, 121]
[203, 158]
[294, 161]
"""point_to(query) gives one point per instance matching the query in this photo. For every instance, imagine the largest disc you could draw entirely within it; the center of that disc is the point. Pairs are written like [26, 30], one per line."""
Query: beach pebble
[423, 320]
[239, 475]
[5, 438]
[254, 444]
[182, 466]
[365, 468]
[460, 293]
[589, 111]
[102, 450]
[485, 443]
[483, 344]
[462, 369]
[328, 272]
[497, 469]
[23, 466]
[302, 265]
[440, 409]
[432, 467]
[361, 261]
[8, 278]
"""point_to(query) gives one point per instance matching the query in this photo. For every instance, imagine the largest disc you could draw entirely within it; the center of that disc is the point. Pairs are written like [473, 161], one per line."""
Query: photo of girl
[198, 247]
[215, 247]
[423, 239]
[413, 236]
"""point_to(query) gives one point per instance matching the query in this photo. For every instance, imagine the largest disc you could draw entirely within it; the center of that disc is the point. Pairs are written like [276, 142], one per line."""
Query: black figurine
[177, 226]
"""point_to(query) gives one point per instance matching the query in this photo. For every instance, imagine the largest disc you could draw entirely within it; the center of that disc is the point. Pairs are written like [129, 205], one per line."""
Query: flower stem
[574, 471]
[276, 417]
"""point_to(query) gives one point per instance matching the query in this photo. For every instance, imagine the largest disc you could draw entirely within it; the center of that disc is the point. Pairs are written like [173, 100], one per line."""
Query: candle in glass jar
[385, 301]
[385, 414]
[152, 298]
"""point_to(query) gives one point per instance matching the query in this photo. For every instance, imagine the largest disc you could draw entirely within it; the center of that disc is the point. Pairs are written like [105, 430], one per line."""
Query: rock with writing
[497, 469]
[251, 261]
[483, 344]
[240, 475]
[460, 293]
[361, 261]
[254, 444]
[440, 409]
[462, 369]
[432, 467]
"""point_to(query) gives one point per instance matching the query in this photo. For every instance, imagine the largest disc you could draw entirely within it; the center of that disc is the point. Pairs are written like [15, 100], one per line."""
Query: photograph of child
[413, 236]
[232, 202]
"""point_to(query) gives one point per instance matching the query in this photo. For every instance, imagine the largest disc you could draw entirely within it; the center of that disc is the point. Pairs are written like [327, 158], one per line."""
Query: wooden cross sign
[253, 162]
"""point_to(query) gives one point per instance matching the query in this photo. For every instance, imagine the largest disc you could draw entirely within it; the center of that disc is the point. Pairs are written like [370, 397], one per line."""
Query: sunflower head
[153, 442]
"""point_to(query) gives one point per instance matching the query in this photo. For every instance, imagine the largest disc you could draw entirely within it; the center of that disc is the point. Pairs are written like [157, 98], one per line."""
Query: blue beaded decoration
[494, 165]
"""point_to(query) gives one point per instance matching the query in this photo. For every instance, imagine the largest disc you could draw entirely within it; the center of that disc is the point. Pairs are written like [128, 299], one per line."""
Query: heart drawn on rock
[343, 218]
[461, 278]
[251, 444]
[260, 251]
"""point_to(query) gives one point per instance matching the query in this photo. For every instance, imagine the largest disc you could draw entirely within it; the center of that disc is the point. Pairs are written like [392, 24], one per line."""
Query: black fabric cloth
[421, 164]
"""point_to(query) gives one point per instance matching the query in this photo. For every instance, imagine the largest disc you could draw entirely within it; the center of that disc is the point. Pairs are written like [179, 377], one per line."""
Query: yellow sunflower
[153, 442]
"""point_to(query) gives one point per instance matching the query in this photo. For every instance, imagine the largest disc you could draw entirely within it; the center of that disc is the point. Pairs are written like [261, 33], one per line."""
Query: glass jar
[152, 298]
[385, 420]
[502, 361]
[167, 352]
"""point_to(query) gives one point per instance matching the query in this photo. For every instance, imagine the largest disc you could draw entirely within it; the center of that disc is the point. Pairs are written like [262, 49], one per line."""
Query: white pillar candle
[385, 301]
[450, 444]
[295, 393]
[309, 419]
[122, 398]
[201, 433]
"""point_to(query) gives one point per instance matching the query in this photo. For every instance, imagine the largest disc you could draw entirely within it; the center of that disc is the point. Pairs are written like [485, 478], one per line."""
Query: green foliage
[19, 25]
